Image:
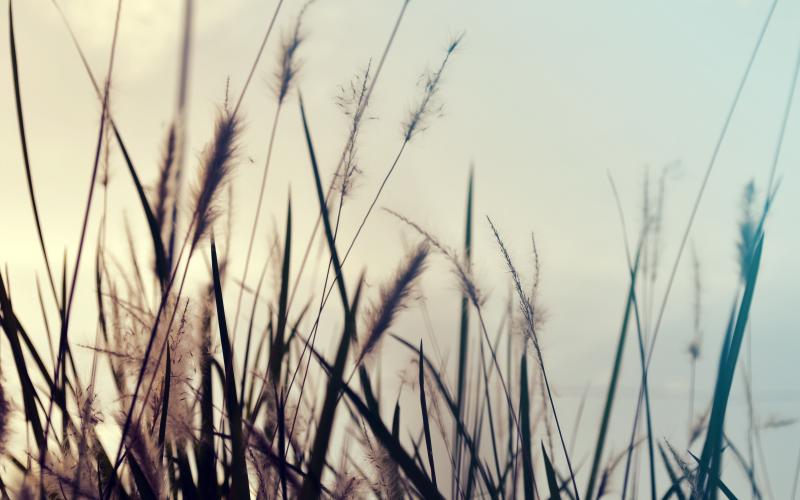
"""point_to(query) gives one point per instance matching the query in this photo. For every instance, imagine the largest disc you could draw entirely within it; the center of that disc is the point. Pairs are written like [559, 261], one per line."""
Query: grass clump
[197, 414]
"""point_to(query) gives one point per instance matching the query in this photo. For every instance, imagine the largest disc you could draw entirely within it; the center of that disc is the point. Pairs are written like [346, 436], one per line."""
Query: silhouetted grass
[195, 423]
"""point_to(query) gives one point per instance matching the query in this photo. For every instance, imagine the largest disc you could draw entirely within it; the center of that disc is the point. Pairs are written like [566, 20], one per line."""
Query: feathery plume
[352, 100]
[393, 297]
[525, 303]
[428, 106]
[182, 348]
[387, 482]
[216, 165]
[347, 485]
[463, 274]
[288, 64]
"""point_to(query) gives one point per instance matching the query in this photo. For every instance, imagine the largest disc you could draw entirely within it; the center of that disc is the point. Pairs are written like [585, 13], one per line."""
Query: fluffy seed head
[428, 106]
[393, 298]
[216, 166]
[288, 62]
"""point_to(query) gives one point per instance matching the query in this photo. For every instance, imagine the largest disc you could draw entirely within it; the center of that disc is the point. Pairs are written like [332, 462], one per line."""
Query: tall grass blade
[395, 450]
[245, 366]
[552, 481]
[312, 484]
[528, 478]
[239, 482]
[11, 327]
[612, 386]
[106, 474]
[720, 484]
[710, 459]
[162, 268]
[140, 479]
[528, 312]
[673, 478]
[281, 406]
[162, 426]
[279, 343]
[396, 421]
[205, 456]
[706, 176]
[25, 157]
[323, 207]
[426, 426]
[463, 340]
[466, 437]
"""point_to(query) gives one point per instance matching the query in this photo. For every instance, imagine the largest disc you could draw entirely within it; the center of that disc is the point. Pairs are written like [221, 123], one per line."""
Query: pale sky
[544, 98]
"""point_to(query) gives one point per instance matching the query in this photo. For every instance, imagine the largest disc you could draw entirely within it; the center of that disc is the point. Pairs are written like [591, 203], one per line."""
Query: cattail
[288, 64]
[393, 297]
[215, 169]
[428, 105]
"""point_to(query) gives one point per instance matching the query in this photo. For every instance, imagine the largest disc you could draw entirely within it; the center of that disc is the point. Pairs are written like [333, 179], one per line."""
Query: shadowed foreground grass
[285, 418]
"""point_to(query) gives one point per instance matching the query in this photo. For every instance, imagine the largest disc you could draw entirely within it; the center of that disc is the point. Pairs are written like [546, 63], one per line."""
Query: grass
[293, 420]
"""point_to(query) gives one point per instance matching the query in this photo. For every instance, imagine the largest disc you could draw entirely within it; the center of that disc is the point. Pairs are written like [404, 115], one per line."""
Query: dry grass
[294, 420]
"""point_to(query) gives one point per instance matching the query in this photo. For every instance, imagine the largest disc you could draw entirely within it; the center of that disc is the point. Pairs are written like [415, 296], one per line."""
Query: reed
[196, 414]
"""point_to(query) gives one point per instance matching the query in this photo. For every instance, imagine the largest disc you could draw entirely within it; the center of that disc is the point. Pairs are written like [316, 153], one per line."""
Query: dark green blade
[240, 488]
